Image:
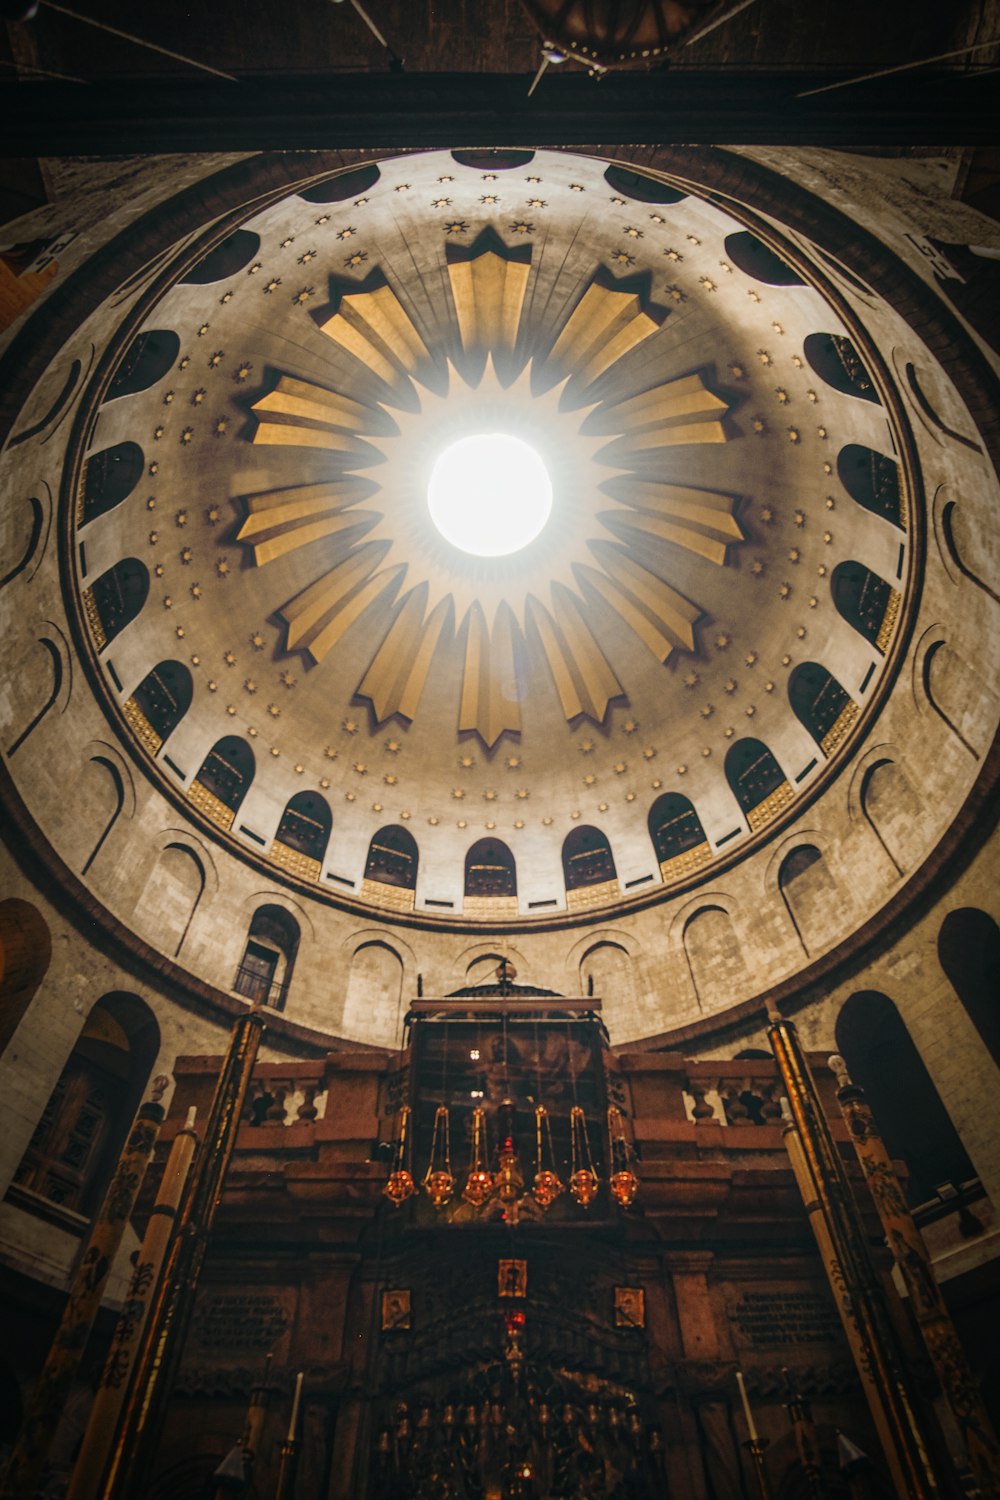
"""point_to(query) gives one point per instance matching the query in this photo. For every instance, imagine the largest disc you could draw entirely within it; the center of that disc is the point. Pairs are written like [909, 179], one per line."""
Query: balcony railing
[259, 988]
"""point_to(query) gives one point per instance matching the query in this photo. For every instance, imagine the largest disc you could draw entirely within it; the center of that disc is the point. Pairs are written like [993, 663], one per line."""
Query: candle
[751, 1425]
[294, 1422]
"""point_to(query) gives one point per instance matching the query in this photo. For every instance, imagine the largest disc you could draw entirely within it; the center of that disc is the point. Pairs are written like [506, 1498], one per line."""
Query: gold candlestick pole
[756, 1447]
[853, 1279]
[45, 1406]
[162, 1345]
[117, 1371]
[929, 1309]
[806, 1444]
[289, 1448]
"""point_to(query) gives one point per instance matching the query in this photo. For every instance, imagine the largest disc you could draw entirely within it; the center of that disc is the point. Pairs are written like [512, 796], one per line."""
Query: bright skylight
[489, 494]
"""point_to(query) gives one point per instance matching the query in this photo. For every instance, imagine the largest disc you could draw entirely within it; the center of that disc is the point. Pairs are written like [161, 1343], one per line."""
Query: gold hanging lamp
[547, 1186]
[583, 1181]
[400, 1185]
[479, 1183]
[509, 1179]
[623, 1182]
[439, 1183]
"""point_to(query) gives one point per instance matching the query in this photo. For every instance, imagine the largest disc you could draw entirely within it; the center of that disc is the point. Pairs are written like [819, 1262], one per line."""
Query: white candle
[294, 1422]
[751, 1425]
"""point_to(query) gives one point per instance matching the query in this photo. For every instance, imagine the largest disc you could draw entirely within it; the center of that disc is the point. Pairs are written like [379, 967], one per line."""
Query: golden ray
[300, 413]
[319, 616]
[396, 677]
[279, 521]
[583, 677]
[668, 405]
[376, 329]
[487, 672]
[605, 324]
[674, 615]
[701, 521]
[488, 292]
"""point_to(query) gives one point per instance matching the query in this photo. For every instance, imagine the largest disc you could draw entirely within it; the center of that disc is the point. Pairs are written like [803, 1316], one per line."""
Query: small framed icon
[396, 1310]
[630, 1307]
[512, 1278]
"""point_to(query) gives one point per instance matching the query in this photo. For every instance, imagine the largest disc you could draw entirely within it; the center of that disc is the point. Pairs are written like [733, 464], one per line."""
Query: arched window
[757, 781]
[77, 1141]
[866, 601]
[223, 779]
[872, 480]
[345, 185]
[303, 834]
[160, 702]
[147, 360]
[116, 598]
[490, 870]
[393, 858]
[229, 256]
[821, 704]
[265, 970]
[676, 830]
[838, 363]
[752, 256]
[109, 478]
[493, 161]
[809, 893]
[587, 859]
[641, 188]
[916, 1128]
[969, 953]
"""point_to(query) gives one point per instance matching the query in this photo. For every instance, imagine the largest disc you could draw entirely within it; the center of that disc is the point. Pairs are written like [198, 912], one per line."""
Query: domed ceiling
[315, 671]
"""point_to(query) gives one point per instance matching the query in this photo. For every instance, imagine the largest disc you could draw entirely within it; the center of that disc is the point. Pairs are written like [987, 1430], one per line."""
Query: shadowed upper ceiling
[704, 614]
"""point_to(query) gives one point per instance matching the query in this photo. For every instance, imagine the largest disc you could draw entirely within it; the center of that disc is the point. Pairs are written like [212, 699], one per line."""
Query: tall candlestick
[296, 1399]
[751, 1425]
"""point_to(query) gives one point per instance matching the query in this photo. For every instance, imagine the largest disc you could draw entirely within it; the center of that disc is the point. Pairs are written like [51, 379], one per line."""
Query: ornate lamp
[439, 1183]
[509, 1179]
[583, 1181]
[547, 1186]
[479, 1183]
[400, 1185]
[624, 1182]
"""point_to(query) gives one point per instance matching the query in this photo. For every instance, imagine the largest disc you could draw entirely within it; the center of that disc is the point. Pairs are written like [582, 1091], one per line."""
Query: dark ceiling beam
[400, 110]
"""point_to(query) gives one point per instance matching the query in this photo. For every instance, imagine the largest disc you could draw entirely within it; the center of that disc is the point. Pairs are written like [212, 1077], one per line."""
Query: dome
[702, 677]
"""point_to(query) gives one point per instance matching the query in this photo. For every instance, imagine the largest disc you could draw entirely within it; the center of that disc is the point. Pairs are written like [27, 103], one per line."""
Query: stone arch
[969, 954]
[109, 800]
[373, 1009]
[77, 1141]
[865, 601]
[162, 699]
[714, 956]
[872, 481]
[25, 954]
[147, 359]
[225, 259]
[115, 599]
[891, 808]
[49, 662]
[272, 946]
[751, 256]
[304, 831]
[171, 895]
[944, 680]
[756, 780]
[608, 970]
[820, 704]
[883, 1060]
[839, 365]
[808, 891]
[490, 869]
[587, 858]
[109, 478]
[960, 545]
[30, 531]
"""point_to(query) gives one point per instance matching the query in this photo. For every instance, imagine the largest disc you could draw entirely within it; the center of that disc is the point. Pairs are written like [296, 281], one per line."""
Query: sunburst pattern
[381, 551]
